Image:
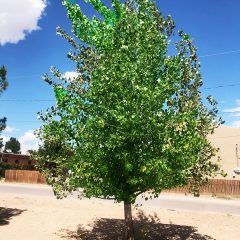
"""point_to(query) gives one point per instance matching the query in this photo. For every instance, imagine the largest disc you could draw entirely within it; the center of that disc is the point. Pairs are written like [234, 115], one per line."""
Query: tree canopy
[3, 86]
[12, 145]
[3, 79]
[133, 118]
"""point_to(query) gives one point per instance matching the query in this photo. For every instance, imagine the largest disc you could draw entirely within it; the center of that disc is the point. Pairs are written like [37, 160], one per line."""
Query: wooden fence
[214, 187]
[24, 176]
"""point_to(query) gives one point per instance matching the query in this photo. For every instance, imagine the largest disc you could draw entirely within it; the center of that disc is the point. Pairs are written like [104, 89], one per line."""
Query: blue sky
[29, 46]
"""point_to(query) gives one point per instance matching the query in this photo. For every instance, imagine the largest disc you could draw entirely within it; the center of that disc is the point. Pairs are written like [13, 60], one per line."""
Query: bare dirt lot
[31, 217]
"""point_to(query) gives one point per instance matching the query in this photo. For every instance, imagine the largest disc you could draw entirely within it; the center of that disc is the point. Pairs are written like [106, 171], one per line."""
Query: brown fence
[24, 176]
[216, 187]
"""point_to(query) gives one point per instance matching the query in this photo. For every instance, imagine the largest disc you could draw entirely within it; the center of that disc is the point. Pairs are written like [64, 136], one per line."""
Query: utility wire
[27, 121]
[201, 56]
[26, 100]
[222, 86]
[25, 76]
[220, 53]
[52, 100]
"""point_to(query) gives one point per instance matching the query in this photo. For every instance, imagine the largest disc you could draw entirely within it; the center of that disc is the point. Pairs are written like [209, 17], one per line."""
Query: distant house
[14, 159]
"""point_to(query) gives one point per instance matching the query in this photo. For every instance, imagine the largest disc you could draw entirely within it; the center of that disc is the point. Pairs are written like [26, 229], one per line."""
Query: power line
[220, 113]
[26, 100]
[220, 53]
[25, 121]
[40, 100]
[222, 86]
[25, 76]
[201, 56]
[52, 100]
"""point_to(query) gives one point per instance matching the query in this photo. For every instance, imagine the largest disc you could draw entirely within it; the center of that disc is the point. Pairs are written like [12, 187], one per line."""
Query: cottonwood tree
[3, 79]
[133, 118]
[3, 86]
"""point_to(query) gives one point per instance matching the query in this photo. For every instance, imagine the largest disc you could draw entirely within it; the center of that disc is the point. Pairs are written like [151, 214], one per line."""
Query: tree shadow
[145, 228]
[7, 213]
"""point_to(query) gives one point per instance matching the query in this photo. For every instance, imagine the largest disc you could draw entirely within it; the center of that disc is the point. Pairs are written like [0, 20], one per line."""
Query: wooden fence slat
[24, 176]
[215, 186]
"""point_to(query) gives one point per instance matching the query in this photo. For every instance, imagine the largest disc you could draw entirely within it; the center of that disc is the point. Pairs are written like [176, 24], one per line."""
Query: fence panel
[24, 176]
[216, 186]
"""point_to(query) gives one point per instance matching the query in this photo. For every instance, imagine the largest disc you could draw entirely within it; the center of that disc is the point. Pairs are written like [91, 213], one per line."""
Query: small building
[14, 159]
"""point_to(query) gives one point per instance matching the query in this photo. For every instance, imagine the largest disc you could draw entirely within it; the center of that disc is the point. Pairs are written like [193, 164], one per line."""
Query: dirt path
[28, 217]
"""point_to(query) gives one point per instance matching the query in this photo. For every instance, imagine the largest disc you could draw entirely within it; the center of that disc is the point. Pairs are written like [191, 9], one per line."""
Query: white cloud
[19, 18]
[70, 75]
[28, 141]
[5, 139]
[235, 114]
[235, 124]
[232, 110]
[10, 129]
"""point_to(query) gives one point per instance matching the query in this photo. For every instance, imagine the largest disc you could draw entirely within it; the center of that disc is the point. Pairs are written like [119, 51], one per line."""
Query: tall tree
[1, 144]
[133, 118]
[3, 79]
[12, 145]
[3, 86]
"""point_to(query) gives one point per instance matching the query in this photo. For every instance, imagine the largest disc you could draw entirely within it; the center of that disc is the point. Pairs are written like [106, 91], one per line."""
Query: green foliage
[2, 123]
[53, 159]
[1, 144]
[12, 145]
[3, 80]
[3, 86]
[32, 152]
[133, 120]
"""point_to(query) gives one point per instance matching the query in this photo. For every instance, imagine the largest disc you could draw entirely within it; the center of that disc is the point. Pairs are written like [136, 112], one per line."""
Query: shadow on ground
[7, 213]
[146, 228]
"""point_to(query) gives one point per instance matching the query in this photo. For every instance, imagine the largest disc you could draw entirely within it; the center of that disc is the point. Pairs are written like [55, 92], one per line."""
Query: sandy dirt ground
[45, 218]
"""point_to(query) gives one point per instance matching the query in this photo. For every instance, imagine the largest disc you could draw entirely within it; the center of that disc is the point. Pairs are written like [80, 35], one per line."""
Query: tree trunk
[128, 221]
